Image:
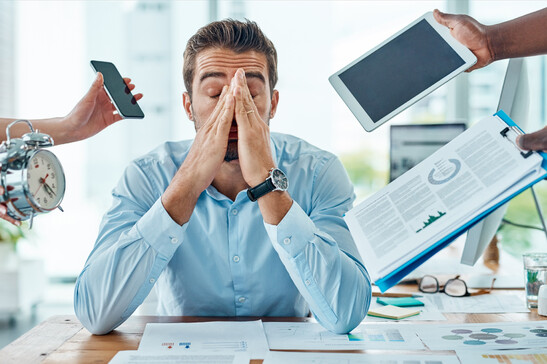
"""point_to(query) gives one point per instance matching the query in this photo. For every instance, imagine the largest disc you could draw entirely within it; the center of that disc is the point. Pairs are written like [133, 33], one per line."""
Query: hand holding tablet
[400, 71]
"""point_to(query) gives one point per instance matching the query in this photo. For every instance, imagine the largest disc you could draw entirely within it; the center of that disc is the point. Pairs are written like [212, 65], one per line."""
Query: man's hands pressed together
[203, 165]
[203, 161]
[255, 156]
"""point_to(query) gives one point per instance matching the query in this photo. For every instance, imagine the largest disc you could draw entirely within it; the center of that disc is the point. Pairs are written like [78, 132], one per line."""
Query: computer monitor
[412, 143]
[514, 100]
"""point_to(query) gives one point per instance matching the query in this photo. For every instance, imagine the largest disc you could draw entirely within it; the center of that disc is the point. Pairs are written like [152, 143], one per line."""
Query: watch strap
[260, 190]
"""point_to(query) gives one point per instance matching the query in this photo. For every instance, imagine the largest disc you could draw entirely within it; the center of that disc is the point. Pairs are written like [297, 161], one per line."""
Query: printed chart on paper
[495, 335]
[312, 336]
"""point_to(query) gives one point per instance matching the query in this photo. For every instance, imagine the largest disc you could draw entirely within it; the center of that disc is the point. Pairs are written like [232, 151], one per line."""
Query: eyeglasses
[454, 287]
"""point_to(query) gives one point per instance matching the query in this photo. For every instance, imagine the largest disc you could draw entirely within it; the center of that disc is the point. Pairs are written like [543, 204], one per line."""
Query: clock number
[53, 185]
[53, 175]
[48, 166]
[45, 200]
[35, 161]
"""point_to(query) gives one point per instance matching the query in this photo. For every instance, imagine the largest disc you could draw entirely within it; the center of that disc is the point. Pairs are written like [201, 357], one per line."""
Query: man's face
[214, 69]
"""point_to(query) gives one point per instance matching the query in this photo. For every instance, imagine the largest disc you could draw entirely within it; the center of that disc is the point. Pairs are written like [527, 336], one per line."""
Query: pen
[388, 294]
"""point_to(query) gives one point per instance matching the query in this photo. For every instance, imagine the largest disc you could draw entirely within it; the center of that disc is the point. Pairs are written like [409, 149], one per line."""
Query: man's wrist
[179, 199]
[274, 206]
[496, 43]
[259, 178]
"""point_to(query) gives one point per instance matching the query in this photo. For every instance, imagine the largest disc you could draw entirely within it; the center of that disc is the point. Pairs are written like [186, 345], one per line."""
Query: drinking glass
[535, 274]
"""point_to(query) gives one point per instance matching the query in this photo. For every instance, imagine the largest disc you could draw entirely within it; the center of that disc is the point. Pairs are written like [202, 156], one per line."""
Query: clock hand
[49, 190]
[42, 181]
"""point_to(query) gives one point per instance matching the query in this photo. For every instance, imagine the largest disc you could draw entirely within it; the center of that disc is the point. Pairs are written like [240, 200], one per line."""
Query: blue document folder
[398, 274]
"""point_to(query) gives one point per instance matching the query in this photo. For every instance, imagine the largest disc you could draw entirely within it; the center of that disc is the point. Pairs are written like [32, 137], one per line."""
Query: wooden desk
[62, 339]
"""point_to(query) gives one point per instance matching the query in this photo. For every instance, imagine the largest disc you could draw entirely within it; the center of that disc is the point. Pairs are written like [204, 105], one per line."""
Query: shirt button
[308, 282]
[174, 240]
[236, 258]
[287, 241]
[241, 299]
[152, 280]
[234, 212]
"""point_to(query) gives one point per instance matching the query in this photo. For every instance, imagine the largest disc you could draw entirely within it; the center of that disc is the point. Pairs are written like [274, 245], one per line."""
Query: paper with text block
[398, 225]
[216, 336]
[275, 357]
[147, 357]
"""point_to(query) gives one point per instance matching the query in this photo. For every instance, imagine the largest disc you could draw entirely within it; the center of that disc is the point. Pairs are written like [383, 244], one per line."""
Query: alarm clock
[32, 177]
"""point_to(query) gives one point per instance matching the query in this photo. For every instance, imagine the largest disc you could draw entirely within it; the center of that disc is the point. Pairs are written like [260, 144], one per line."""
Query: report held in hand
[405, 223]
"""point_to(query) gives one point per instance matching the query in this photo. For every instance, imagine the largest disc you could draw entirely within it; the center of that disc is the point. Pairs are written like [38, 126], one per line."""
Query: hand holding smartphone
[117, 90]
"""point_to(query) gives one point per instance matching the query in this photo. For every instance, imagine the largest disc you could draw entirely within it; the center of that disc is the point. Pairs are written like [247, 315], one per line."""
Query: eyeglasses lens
[429, 284]
[455, 287]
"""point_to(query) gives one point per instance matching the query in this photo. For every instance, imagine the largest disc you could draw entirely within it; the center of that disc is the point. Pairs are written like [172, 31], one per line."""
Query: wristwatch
[276, 181]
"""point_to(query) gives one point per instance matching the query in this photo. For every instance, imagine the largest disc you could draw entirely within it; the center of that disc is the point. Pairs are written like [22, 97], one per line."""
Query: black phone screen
[118, 91]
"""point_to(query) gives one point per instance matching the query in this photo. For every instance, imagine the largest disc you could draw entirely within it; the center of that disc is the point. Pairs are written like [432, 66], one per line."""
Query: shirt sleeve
[137, 238]
[320, 254]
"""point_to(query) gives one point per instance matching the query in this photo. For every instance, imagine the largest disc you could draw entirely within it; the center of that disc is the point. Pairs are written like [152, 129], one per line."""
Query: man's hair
[234, 35]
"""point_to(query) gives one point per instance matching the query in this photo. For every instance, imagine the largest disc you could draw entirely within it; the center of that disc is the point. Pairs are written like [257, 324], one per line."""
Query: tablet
[400, 71]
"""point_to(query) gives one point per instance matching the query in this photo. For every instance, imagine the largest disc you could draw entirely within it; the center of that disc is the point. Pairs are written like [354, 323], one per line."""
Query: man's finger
[533, 141]
[213, 118]
[226, 117]
[96, 86]
[448, 20]
[242, 114]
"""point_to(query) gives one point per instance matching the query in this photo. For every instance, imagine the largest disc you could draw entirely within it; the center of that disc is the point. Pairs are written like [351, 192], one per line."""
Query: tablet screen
[400, 70]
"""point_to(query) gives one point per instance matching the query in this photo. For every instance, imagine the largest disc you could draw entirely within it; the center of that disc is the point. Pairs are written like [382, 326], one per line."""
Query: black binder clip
[524, 154]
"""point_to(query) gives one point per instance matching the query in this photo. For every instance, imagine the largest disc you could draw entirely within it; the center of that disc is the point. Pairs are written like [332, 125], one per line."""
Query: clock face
[45, 180]
[280, 180]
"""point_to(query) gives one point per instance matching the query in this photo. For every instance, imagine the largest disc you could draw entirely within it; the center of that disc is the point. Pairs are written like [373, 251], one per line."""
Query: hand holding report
[419, 213]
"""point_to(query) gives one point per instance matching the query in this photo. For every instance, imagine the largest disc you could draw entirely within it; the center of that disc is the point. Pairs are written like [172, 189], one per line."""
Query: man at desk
[210, 221]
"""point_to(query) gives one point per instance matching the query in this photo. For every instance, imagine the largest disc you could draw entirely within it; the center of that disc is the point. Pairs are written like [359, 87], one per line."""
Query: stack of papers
[393, 312]
[405, 223]
[238, 342]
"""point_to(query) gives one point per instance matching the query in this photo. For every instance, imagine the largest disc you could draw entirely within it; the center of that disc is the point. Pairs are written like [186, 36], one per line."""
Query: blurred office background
[45, 48]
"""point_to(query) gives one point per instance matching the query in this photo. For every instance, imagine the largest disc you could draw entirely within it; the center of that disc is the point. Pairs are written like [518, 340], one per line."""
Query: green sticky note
[400, 301]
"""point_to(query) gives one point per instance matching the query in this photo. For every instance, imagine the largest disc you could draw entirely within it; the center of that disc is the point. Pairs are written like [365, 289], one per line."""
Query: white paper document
[484, 336]
[467, 176]
[149, 357]
[505, 357]
[486, 303]
[211, 337]
[312, 336]
[276, 357]
[428, 312]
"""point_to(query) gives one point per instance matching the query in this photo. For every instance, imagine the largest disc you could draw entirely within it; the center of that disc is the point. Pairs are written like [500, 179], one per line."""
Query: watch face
[279, 180]
[45, 180]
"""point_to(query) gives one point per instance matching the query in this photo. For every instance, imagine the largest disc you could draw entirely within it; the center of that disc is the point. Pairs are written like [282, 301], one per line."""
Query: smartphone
[118, 91]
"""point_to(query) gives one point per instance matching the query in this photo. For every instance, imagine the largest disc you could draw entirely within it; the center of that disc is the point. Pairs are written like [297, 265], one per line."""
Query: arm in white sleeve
[320, 255]
[137, 239]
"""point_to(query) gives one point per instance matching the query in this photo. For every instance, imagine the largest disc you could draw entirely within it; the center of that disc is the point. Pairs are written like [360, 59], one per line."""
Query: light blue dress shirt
[226, 261]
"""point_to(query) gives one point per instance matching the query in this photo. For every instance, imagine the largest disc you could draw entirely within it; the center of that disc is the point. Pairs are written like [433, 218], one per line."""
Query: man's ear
[275, 101]
[187, 104]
